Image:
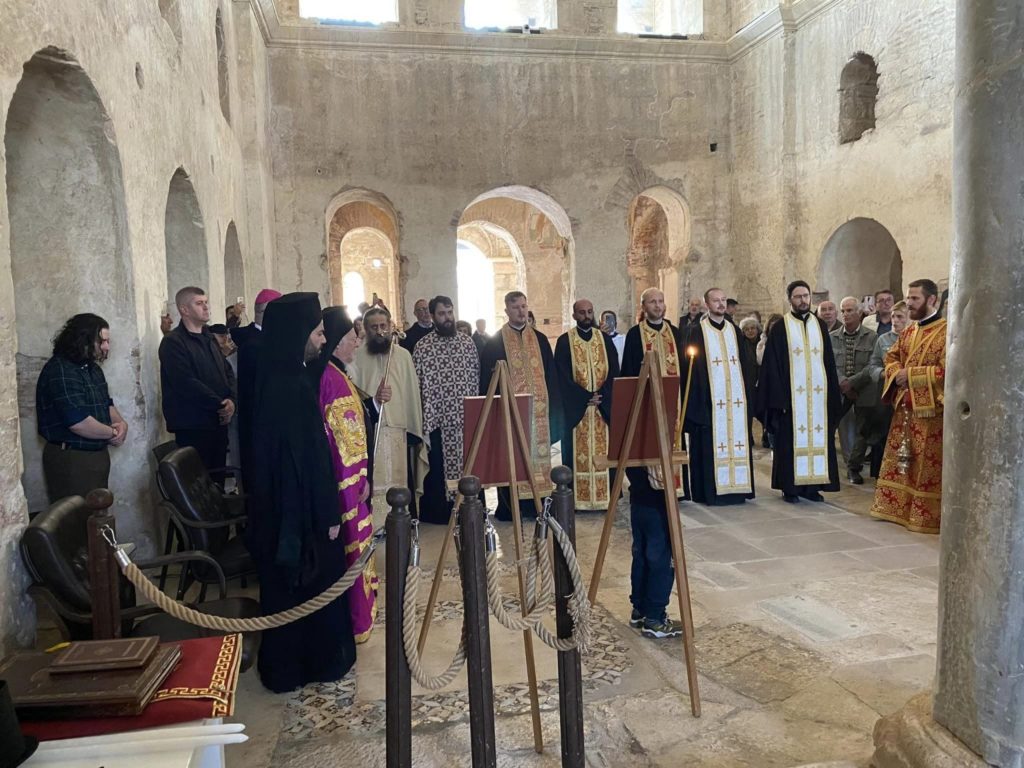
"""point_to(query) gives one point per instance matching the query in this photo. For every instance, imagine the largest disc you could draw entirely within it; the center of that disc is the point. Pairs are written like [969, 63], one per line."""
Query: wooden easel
[515, 440]
[650, 379]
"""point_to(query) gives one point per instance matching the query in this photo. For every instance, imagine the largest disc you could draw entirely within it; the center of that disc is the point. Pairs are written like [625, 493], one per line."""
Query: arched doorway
[362, 239]
[184, 239]
[659, 246]
[234, 268]
[860, 257]
[482, 286]
[70, 250]
[528, 237]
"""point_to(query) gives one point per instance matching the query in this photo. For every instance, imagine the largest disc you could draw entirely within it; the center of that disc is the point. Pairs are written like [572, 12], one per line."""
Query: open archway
[658, 221]
[70, 250]
[529, 237]
[362, 238]
[482, 287]
[184, 238]
[234, 268]
[860, 257]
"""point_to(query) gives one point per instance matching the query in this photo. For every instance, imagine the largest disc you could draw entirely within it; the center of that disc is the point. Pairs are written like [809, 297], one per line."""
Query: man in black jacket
[198, 386]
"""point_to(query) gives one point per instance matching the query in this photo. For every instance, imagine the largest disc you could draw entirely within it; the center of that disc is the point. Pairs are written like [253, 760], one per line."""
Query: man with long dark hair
[74, 412]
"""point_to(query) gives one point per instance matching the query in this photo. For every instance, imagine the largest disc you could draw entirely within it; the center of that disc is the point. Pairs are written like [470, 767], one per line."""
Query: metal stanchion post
[477, 624]
[570, 675]
[398, 705]
[103, 572]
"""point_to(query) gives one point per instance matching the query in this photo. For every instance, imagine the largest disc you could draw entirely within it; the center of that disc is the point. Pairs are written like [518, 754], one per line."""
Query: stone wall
[141, 97]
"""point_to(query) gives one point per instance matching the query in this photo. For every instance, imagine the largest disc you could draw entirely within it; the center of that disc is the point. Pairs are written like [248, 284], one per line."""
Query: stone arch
[507, 272]
[858, 92]
[223, 78]
[184, 238]
[234, 267]
[372, 222]
[859, 258]
[70, 247]
[542, 231]
[660, 247]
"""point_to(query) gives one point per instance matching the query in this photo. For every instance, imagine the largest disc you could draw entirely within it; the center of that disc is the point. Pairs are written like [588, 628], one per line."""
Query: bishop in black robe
[294, 505]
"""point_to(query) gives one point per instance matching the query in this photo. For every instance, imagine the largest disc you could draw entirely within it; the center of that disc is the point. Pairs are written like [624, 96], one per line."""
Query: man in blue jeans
[652, 573]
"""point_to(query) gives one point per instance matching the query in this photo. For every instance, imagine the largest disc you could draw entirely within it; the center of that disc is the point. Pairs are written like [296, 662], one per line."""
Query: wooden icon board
[645, 441]
[492, 464]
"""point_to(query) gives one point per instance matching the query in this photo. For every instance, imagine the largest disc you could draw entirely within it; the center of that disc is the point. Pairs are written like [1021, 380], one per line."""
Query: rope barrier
[183, 612]
[410, 636]
[537, 606]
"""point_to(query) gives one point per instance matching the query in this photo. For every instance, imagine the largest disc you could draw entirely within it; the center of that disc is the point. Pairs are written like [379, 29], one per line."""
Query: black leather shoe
[815, 497]
[855, 478]
[790, 499]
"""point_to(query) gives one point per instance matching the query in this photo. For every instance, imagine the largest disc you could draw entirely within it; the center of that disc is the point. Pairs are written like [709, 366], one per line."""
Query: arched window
[350, 11]
[661, 17]
[499, 14]
[858, 92]
[353, 291]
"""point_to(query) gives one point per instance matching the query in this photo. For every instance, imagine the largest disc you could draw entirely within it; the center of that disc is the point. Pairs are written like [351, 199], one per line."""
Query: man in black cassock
[293, 527]
[532, 371]
[587, 363]
[721, 465]
[799, 402]
[423, 325]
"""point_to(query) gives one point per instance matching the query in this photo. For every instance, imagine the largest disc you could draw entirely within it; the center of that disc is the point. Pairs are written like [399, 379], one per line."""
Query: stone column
[979, 696]
[980, 687]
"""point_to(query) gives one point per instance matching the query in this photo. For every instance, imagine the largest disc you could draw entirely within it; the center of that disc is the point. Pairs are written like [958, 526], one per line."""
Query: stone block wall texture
[431, 117]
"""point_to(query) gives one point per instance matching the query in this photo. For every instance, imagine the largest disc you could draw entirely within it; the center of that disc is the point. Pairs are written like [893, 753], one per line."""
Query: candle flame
[691, 352]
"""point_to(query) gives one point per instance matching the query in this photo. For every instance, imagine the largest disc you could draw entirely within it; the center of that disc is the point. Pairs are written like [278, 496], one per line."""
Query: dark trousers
[864, 418]
[210, 444]
[72, 472]
[652, 573]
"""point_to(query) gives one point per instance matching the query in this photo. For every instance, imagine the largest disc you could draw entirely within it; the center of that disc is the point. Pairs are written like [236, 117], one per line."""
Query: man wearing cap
[247, 339]
[294, 525]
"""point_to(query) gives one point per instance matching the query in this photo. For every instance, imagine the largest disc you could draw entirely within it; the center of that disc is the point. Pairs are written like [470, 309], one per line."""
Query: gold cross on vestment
[800, 390]
[817, 428]
[721, 403]
[716, 361]
[737, 402]
[818, 390]
[733, 359]
[802, 429]
[739, 446]
[815, 351]
[797, 351]
[722, 447]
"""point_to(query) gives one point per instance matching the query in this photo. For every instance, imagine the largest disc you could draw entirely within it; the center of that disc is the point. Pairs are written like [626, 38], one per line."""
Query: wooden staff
[396, 335]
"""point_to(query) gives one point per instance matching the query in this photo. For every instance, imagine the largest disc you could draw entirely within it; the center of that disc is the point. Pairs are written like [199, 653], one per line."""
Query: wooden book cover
[492, 463]
[645, 441]
[104, 655]
[38, 693]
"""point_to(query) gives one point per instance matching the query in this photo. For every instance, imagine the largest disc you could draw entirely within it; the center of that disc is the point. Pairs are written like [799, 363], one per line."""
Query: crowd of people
[324, 411]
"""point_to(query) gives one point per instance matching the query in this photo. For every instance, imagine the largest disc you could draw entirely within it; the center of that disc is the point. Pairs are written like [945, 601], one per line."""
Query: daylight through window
[661, 17]
[350, 11]
[484, 14]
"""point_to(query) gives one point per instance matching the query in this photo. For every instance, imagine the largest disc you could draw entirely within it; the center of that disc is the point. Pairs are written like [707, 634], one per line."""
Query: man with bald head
[652, 570]
[828, 314]
[423, 325]
[586, 362]
[853, 345]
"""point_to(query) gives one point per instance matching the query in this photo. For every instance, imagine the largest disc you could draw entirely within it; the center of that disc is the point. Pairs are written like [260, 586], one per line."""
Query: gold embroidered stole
[728, 409]
[922, 351]
[662, 342]
[590, 436]
[345, 418]
[809, 397]
[526, 368]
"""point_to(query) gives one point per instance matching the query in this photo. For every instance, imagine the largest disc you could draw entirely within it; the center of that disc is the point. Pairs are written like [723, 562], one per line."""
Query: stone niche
[858, 92]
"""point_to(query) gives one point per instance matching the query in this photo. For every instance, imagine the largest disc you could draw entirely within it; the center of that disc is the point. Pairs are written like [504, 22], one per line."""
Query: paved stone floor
[811, 622]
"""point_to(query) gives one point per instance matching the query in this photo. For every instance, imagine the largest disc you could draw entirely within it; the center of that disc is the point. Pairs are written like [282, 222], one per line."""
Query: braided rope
[183, 612]
[410, 636]
[536, 607]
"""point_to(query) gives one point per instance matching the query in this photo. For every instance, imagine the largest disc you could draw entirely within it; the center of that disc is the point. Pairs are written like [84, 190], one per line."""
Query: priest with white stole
[798, 401]
[401, 456]
[587, 363]
[721, 469]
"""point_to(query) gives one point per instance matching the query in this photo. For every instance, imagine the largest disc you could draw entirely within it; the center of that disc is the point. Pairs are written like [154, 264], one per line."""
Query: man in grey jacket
[852, 345]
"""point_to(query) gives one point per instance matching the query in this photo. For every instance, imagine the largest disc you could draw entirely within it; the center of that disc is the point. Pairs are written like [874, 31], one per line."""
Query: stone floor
[811, 622]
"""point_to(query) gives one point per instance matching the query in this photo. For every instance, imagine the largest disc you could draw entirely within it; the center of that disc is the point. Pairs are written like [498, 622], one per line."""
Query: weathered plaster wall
[794, 184]
[431, 132]
[162, 101]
